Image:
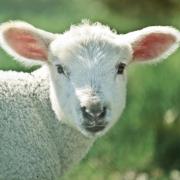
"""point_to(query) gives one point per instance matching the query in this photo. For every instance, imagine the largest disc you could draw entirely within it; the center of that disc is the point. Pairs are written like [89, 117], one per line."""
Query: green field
[146, 140]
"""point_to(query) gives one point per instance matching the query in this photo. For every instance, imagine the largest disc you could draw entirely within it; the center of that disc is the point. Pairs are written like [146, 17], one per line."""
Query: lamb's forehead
[85, 32]
[91, 30]
[88, 38]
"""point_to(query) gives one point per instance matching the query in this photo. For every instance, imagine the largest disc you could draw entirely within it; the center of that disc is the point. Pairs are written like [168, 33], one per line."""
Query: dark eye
[121, 67]
[60, 69]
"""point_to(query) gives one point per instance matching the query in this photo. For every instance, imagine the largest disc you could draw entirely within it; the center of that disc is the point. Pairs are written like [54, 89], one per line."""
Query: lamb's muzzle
[94, 117]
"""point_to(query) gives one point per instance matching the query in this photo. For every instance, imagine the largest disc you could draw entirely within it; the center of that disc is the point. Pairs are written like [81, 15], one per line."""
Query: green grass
[142, 140]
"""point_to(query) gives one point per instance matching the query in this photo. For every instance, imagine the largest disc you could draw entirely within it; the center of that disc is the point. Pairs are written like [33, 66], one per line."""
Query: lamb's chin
[91, 134]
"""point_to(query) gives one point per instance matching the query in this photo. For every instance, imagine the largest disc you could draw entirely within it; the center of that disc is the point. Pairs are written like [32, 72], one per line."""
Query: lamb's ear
[25, 43]
[153, 44]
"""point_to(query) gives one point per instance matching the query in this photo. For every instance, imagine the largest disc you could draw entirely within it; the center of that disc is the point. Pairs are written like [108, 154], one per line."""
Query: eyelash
[120, 68]
[60, 69]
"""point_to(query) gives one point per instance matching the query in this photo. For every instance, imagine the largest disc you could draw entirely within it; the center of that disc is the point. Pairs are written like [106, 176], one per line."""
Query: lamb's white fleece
[33, 143]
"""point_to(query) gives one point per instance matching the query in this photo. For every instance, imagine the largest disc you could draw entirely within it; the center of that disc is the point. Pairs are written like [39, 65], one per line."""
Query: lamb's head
[87, 66]
[91, 84]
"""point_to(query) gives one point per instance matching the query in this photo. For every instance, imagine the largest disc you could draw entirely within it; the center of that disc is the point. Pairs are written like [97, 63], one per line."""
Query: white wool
[34, 143]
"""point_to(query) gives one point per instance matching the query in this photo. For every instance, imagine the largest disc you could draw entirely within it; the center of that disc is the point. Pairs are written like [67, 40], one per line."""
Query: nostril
[102, 113]
[92, 114]
[83, 109]
[85, 113]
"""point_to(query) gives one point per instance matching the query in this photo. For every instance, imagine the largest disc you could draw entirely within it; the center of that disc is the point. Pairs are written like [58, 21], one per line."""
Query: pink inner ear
[152, 46]
[26, 44]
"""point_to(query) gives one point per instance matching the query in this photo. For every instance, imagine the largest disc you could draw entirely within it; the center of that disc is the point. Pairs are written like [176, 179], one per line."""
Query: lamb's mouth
[94, 127]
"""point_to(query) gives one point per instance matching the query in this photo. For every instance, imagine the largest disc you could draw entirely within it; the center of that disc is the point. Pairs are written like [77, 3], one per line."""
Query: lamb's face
[89, 82]
[87, 66]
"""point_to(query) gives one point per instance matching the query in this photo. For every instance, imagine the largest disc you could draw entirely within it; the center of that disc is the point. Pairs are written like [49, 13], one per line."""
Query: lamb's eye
[60, 69]
[120, 68]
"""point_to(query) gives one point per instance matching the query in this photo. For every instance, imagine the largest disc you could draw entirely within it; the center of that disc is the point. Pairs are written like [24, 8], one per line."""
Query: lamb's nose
[94, 112]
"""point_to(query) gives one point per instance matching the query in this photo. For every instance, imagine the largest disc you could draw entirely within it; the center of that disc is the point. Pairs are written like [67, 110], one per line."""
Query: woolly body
[33, 143]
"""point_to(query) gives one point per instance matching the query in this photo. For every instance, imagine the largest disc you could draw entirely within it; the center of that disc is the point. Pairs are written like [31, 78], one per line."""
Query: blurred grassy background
[146, 141]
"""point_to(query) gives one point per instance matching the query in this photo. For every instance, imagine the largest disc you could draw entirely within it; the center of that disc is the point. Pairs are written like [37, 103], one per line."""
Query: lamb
[50, 118]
